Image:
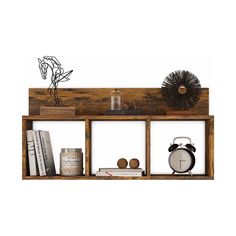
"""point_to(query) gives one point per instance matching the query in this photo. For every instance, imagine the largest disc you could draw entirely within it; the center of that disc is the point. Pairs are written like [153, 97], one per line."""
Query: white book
[39, 153]
[31, 153]
[47, 152]
[107, 173]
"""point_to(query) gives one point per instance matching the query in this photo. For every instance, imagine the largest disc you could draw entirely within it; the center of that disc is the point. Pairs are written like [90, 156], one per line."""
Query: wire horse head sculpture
[51, 68]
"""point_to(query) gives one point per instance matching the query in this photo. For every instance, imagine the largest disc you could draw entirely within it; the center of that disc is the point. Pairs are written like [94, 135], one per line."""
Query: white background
[110, 44]
[162, 135]
[68, 134]
[117, 139]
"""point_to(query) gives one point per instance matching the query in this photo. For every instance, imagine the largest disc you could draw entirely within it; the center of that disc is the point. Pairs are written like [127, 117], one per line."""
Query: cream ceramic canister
[71, 161]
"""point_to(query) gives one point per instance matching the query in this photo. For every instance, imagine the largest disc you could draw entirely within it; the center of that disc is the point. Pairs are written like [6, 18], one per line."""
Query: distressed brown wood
[25, 171]
[115, 118]
[95, 101]
[209, 156]
[93, 177]
[148, 147]
[27, 123]
[56, 111]
[88, 145]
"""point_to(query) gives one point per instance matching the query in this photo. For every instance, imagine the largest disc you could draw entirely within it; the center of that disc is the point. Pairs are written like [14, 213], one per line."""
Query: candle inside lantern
[115, 100]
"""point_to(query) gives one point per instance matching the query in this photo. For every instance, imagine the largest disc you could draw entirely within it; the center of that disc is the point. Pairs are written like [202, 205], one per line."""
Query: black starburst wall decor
[181, 90]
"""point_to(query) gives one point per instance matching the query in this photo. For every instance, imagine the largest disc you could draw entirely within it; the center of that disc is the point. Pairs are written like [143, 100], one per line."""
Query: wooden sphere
[134, 163]
[122, 163]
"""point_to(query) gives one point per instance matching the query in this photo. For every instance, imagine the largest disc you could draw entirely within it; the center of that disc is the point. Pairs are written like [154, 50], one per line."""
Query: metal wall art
[51, 68]
[181, 90]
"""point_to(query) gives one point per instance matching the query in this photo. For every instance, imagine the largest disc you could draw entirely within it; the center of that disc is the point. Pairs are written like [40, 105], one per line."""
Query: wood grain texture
[209, 155]
[25, 168]
[95, 101]
[88, 144]
[26, 125]
[117, 118]
[57, 111]
[148, 147]
[93, 177]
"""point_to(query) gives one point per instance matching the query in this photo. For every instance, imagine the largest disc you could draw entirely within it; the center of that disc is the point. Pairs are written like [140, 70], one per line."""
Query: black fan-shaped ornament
[181, 90]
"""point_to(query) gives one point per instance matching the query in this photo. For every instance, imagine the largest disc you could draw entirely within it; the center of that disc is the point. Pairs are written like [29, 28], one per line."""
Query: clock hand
[179, 156]
[181, 162]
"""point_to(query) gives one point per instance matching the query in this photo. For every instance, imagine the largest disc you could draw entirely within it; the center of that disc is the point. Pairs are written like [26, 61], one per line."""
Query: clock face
[180, 160]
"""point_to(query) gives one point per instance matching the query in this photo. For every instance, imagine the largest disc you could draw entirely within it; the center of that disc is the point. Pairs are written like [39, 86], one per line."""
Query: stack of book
[119, 172]
[40, 154]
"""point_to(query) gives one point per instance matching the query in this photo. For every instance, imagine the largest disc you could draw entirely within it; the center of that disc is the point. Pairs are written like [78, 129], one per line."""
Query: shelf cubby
[27, 123]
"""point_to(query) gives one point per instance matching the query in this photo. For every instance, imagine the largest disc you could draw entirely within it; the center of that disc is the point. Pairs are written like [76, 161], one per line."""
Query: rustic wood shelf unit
[90, 104]
[27, 122]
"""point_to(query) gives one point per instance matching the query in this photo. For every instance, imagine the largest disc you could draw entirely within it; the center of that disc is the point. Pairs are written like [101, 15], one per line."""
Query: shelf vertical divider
[148, 147]
[88, 144]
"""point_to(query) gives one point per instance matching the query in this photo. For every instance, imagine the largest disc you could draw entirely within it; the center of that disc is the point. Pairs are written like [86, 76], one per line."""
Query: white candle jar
[71, 161]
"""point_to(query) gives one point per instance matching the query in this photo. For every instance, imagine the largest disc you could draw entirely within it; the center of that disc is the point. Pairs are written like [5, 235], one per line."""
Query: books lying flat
[131, 174]
[119, 172]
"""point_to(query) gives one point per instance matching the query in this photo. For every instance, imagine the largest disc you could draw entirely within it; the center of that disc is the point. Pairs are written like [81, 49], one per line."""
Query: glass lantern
[115, 100]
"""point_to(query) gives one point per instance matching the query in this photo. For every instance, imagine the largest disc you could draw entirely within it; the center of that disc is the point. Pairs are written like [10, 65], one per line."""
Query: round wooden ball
[122, 163]
[134, 163]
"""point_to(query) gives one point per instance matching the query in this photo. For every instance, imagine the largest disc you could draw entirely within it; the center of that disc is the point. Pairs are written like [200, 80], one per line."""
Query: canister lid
[66, 150]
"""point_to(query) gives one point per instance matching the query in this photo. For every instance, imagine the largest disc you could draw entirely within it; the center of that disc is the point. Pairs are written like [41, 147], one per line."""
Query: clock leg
[173, 172]
[190, 172]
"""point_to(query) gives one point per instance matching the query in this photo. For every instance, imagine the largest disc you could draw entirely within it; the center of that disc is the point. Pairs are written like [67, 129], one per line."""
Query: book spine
[39, 153]
[47, 153]
[31, 153]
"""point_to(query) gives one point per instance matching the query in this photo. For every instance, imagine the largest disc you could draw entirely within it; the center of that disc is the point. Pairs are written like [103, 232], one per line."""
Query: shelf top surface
[118, 117]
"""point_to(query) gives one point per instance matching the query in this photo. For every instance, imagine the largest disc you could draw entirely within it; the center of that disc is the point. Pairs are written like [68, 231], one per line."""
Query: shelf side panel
[210, 147]
[26, 125]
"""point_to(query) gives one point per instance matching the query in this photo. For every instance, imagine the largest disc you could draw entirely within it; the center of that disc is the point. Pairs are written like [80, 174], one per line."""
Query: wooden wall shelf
[95, 101]
[93, 177]
[27, 123]
[115, 118]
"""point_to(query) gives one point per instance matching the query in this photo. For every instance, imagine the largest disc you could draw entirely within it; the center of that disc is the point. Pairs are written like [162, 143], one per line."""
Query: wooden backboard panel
[95, 101]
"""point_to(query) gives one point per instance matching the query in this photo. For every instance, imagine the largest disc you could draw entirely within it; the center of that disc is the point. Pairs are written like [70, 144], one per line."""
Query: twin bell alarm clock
[182, 159]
